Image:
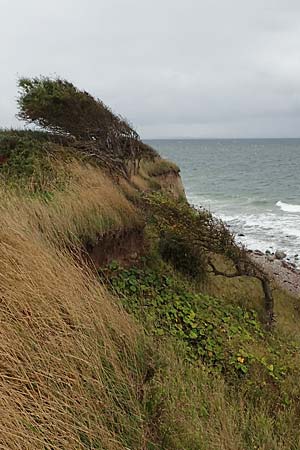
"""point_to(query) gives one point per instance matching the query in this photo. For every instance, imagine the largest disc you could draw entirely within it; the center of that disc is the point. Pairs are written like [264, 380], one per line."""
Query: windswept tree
[59, 107]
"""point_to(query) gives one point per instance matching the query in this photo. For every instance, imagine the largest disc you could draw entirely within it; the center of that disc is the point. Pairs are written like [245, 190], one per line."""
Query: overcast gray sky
[174, 68]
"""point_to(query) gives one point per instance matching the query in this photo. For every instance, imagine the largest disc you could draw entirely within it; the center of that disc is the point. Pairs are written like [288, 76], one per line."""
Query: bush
[188, 235]
[177, 250]
[58, 106]
[197, 225]
[26, 160]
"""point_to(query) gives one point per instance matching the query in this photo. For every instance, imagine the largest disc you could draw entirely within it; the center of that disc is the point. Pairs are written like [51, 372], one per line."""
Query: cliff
[131, 320]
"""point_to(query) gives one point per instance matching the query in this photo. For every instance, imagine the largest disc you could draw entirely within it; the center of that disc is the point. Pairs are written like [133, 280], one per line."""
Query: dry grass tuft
[158, 167]
[69, 373]
[92, 205]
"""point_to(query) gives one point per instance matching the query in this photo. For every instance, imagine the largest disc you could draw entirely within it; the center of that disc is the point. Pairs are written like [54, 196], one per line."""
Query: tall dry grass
[157, 167]
[195, 409]
[91, 205]
[70, 370]
[73, 364]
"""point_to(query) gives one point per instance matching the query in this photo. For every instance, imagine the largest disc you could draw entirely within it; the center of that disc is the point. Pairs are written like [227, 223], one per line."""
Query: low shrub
[177, 250]
[186, 235]
[27, 161]
[219, 334]
[197, 225]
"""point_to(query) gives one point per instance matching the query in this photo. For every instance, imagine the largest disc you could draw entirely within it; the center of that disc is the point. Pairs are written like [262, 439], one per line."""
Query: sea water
[252, 184]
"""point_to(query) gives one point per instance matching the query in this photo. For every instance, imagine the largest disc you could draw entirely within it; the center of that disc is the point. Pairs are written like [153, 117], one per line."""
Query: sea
[251, 184]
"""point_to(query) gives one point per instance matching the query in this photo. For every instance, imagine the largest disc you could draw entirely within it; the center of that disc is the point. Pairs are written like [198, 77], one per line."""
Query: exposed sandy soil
[124, 247]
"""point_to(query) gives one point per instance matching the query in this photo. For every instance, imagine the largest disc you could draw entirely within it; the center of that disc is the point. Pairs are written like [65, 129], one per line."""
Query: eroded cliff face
[159, 175]
[171, 184]
[125, 247]
[128, 245]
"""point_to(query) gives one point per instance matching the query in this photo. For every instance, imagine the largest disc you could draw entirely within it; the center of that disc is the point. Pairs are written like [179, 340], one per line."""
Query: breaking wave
[286, 207]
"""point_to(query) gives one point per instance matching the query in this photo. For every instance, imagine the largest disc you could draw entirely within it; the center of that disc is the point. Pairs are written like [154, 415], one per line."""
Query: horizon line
[215, 138]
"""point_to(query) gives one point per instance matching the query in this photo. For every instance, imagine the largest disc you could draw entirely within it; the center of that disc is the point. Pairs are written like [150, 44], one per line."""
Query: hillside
[130, 320]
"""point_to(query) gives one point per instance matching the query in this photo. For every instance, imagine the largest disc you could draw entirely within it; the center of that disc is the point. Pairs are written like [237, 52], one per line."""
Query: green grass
[31, 161]
[211, 355]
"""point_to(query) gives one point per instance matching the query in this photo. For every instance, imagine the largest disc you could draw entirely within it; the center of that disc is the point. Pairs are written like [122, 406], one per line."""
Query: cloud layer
[198, 68]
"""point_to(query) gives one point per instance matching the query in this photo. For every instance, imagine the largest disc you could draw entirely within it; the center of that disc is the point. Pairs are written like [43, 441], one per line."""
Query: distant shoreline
[220, 139]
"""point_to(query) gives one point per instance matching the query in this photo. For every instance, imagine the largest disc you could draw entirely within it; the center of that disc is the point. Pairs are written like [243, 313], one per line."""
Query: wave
[257, 225]
[286, 207]
[267, 231]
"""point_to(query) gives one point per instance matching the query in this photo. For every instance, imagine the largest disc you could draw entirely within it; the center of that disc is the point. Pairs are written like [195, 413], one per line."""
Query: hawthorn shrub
[58, 106]
[176, 249]
[188, 235]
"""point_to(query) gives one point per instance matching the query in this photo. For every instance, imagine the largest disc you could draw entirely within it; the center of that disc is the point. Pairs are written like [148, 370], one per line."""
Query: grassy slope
[78, 371]
[72, 361]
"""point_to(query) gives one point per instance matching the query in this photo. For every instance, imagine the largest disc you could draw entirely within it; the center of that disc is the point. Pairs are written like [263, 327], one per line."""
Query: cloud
[173, 68]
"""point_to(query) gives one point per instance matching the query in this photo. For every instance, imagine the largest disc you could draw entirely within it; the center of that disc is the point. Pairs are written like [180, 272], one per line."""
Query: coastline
[285, 274]
[264, 207]
[281, 271]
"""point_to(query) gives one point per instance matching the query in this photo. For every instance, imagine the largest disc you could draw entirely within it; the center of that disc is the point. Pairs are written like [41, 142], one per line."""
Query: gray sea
[252, 184]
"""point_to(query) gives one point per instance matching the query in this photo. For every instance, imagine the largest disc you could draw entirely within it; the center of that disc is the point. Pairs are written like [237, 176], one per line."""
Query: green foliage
[177, 249]
[25, 162]
[9, 136]
[217, 333]
[198, 225]
[58, 106]
[187, 235]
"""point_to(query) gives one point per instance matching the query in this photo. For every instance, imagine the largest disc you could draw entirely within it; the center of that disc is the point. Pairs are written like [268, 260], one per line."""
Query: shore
[285, 274]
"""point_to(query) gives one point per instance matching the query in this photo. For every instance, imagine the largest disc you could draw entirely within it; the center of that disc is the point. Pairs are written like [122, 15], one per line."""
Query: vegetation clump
[175, 248]
[218, 333]
[160, 166]
[187, 235]
[189, 238]
[31, 161]
[58, 106]
[203, 229]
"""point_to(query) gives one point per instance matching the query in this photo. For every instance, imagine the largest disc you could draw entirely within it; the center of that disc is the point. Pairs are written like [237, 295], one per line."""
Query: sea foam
[286, 207]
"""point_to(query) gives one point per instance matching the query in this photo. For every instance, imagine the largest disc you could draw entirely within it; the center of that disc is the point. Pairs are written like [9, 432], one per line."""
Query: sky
[173, 68]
